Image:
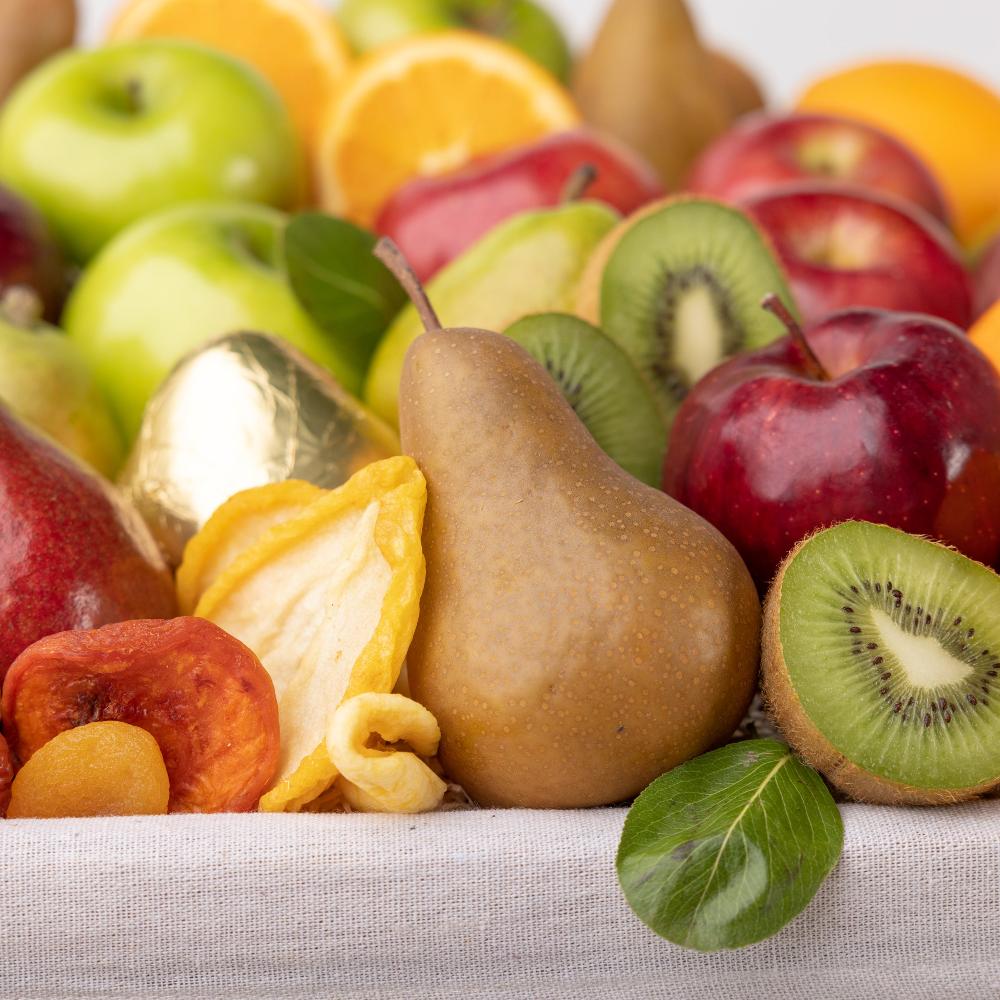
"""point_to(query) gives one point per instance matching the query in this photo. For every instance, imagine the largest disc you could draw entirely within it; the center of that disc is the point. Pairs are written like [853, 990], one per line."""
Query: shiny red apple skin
[29, 255]
[764, 151]
[435, 219]
[72, 555]
[844, 248]
[986, 278]
[906, 432]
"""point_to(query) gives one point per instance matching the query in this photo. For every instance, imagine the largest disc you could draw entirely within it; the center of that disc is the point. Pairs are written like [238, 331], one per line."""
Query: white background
[788, 42]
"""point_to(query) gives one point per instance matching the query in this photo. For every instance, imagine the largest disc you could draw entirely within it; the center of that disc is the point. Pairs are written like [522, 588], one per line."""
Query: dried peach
[6, 774]
[100, 769]
[204, 697]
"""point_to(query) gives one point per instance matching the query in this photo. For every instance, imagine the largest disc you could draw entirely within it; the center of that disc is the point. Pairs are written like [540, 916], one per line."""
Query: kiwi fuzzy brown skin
[810, 744]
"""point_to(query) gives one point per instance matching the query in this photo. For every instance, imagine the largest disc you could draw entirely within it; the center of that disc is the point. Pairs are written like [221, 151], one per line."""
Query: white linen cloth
[479, 904]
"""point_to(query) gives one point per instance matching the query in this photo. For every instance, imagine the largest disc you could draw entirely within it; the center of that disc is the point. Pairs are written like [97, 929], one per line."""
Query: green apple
[44, 381]
[532, 263]
[173, 282]
[369, 24]
[99, 139]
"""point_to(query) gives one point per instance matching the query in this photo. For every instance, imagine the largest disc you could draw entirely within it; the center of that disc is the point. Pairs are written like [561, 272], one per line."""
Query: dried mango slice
[98, 769]
[328, 600]
[377, 779]
[240, 522]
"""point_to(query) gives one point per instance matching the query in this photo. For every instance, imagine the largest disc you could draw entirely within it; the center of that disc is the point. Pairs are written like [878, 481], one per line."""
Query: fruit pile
[395, 416]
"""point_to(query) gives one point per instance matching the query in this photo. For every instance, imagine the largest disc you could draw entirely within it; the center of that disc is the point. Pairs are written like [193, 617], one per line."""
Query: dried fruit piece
[235, 526]
[6, 775]
[99, 769]
[328, 600]
[200, 693]
[378, 778]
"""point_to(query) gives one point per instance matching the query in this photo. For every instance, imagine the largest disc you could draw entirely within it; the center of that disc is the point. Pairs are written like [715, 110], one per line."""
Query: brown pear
[648, 80]
[30, 32]
[742, 87]
[580, 633]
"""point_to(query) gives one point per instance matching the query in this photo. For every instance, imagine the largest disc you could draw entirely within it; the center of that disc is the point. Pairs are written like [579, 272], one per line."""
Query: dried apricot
[204, 697]
[100, 769]
[6, 774]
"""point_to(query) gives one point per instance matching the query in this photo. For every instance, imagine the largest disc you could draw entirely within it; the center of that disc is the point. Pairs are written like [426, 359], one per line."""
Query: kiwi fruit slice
[679, 287]
[597, 379]
[881, 658]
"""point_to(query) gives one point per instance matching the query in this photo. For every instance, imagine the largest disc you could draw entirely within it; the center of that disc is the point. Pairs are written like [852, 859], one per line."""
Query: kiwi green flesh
[891, 644]
[682, 292]
[597, 379]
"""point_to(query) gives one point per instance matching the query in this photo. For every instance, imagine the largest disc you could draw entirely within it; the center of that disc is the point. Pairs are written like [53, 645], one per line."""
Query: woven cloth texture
[469, 904]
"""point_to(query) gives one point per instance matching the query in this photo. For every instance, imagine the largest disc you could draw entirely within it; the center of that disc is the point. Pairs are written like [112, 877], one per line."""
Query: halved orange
[296, 44]
[428, 105]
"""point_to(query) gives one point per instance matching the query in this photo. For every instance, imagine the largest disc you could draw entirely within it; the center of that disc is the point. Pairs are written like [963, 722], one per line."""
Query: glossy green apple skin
[173, 282]
[100, 139]
[45, 381]
[370, 24]
[532, 263]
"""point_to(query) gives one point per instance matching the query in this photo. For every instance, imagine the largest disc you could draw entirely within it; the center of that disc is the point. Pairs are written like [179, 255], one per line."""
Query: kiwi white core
[925, 661]
[702, 339]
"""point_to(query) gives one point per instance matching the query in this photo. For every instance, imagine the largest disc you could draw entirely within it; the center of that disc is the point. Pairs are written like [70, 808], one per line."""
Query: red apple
[844, 248]
[897, 421]
[986, 278]
[72, 555]
[434, 219]
[765, 151]
[29, 255]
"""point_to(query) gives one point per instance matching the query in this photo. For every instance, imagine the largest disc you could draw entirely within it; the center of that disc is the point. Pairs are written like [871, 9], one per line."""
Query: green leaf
[726, 849]
[346, 291]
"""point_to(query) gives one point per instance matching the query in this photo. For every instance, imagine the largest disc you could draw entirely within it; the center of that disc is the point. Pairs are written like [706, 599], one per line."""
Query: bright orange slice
[296, 44]
[428, 105]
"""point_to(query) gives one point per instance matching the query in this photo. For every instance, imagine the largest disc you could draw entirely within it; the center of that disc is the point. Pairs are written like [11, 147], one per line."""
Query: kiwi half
[881, 657]
[679, 287]
[597, 379]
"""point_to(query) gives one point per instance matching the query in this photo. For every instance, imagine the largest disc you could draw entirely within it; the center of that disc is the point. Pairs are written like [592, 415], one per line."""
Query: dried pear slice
[236, 525]
[377, 779]
[329, 601]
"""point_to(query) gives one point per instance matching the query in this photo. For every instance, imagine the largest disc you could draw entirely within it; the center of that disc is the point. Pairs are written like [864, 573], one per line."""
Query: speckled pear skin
[580, 633]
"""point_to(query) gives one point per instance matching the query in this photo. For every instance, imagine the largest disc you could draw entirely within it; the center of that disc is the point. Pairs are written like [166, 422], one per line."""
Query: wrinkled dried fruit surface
[6, 775]
[203, 696]
[240, 522]
[100, 769]
[328, 600]
[374, 775]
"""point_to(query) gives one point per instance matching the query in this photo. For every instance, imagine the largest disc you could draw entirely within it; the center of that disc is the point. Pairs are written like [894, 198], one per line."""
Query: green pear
[580, 632]
[531, 263]
[45, 381]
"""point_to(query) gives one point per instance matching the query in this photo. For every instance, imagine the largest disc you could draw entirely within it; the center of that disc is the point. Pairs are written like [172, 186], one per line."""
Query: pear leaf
[346, 291]
[725, 850]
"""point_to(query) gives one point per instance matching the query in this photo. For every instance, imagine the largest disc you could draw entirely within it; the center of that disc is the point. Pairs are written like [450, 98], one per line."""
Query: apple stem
[777, 308]
[395, 260]
[133, 95]
[21, 306]
[578, 183]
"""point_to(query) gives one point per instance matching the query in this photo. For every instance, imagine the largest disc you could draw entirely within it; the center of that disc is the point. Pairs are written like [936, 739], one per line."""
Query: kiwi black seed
[882, 664]
[601, 384]
[682, 292]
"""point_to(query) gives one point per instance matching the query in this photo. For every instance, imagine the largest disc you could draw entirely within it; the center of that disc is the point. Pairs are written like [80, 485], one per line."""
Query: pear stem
[395, 260]
[777, 308]
[21, 306]
[578, 183]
